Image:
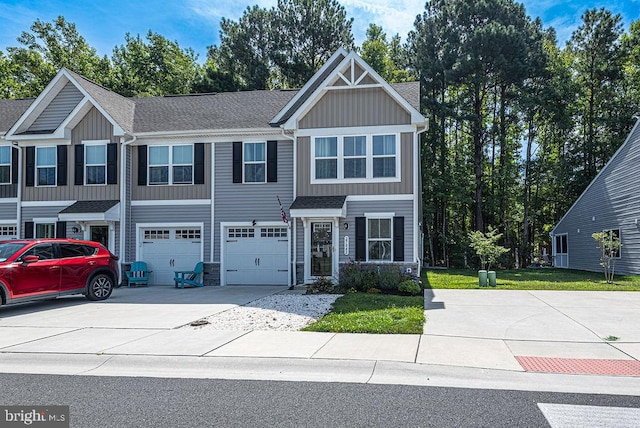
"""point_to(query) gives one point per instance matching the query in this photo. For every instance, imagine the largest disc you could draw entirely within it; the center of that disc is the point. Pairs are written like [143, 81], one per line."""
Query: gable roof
[604, 170]
[11, 110]
[331, 72]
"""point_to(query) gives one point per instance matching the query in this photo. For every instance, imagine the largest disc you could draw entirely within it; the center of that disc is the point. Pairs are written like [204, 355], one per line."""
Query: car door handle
[54, 267]
[92, 262]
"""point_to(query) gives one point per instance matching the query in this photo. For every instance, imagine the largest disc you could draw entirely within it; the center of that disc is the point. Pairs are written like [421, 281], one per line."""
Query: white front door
[256, 255]
[170, 249]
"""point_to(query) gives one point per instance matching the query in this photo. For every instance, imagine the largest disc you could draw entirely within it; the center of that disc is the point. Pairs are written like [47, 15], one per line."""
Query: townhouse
[265, 187]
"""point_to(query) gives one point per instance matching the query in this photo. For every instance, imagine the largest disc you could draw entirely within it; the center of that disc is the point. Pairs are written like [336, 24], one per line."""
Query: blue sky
[194, 23]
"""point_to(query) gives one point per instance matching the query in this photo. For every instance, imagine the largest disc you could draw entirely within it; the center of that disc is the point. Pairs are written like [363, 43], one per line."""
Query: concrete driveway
[509, 329]
[160, 307]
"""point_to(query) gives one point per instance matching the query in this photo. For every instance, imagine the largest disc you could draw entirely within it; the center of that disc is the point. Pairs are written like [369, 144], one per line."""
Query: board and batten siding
[355, 107]
[171, 192]
[169, 214]
[245, 202]
[94, 126]
[404, 186]
[11, 190]
[612, 201]
[58, 109]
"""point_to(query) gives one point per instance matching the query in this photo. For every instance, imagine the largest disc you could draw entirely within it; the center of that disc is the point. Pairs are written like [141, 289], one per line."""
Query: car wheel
[100, 287]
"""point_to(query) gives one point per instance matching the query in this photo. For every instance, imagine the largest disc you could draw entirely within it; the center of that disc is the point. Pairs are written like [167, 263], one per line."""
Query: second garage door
[256, 255]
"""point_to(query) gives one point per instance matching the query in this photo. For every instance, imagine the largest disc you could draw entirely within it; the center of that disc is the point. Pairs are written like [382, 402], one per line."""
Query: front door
[100, 234]
[321, 249]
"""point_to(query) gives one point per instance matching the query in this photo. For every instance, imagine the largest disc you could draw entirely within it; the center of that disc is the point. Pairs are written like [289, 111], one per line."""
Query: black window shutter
[237, 162]
[29, 227]
[61, 229]
[198, 163]
[398, 239]
[78, 170]
[361, 239]
[142, 165]
[112, 163]
[30, 166]
[272, 161]
[62, 166]
[14, 165]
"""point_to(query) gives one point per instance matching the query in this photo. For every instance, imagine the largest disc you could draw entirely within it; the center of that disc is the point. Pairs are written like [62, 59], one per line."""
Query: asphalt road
[153, 402]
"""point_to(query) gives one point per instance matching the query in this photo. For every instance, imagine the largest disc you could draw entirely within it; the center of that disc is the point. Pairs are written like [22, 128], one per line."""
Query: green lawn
[531, 279]
[373, 313]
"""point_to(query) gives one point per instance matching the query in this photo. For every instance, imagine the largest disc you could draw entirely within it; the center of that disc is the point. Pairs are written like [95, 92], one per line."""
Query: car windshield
[8, 249]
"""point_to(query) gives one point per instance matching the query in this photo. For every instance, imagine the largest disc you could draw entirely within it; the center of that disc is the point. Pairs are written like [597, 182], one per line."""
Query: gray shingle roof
[84, 207]
[318, 202]
[10, 112]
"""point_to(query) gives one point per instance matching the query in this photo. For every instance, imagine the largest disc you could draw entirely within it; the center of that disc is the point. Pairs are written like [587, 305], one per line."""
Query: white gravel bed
[289, 312]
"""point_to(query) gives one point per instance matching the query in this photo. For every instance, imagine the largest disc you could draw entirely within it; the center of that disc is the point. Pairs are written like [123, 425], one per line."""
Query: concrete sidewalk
[478, 338]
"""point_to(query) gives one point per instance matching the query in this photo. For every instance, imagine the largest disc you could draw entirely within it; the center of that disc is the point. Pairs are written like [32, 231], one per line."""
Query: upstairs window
[95, 163]
[384, 156]
[355, 158]
[326, 152]
[170, 165]
[5, 165]
[46, 166]
[255, 162]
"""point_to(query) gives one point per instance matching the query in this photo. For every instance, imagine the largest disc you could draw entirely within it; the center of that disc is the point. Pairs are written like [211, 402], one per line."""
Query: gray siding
[247, 202]
[358, 209]
[613, 199]
[404, 186]
[29, 213]
[171, 214]
[58, 110]
[8, 211]
[355, 107]
[182, 191]
[94, 126]
[10, 190]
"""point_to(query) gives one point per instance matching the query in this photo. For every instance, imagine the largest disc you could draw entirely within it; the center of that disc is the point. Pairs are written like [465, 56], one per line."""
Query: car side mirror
[30, 259]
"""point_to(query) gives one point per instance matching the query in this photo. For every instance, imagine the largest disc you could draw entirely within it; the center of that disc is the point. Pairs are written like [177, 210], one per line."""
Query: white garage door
[8, 231]
[170, 249]
[256, 255]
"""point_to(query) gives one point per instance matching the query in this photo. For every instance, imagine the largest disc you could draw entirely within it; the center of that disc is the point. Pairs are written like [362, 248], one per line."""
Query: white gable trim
[351, 59]
[47, 95]
[626, 141]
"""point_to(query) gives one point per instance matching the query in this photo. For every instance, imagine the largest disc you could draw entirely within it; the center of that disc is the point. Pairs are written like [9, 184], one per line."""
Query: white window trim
[379, 216]
[556, 253]
[45, 220]
[369, 160]
[9, 165]
[244, 143]
[94, 143]
[55, 168]
[170, 165]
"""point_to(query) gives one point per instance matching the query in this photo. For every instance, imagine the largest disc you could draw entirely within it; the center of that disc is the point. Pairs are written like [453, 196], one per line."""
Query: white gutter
[19, 194]
[123, 199]
[417, 188]
[291, 247]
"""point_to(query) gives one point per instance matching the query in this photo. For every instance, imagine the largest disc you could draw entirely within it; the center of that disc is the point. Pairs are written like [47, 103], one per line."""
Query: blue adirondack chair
[138, 274]
[193, 277]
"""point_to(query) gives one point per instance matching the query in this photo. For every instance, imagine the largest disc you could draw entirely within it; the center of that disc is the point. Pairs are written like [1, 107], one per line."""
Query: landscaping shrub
[410, 287]
[363, 277]
[322, 285]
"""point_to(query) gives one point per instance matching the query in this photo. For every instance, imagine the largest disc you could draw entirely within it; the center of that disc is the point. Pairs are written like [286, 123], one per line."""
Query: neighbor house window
[255, 162]
[95, 161]
[45, 230]
[5, 165]
[326, 152]
[379, 242]
[46, 166]
[384, 156]
[171, 164]
[356, 157]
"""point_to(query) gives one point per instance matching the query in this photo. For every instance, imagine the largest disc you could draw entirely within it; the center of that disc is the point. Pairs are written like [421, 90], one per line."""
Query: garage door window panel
[8, 232]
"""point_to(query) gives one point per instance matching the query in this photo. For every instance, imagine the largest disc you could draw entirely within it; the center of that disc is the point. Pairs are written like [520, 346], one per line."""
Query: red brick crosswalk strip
[580, 366]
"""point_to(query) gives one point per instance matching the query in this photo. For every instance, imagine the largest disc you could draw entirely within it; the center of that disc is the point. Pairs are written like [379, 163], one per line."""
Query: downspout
[291, 250]
[419, 234]
[19, 193]
[123, 199]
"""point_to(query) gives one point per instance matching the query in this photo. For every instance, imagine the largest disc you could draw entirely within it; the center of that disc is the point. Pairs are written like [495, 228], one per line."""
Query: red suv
[34, 269]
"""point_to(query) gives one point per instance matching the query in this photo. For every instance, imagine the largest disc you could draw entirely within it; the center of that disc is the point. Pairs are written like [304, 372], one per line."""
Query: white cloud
[394, 16]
